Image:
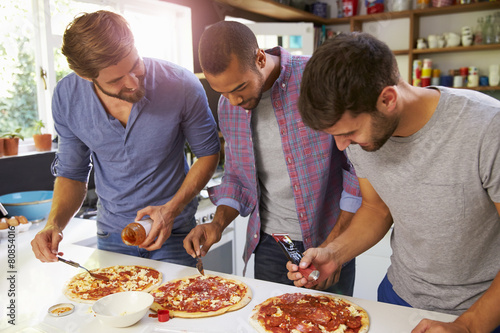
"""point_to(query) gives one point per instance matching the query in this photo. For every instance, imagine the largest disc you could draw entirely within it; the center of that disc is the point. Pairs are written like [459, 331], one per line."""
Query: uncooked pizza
[84, 288]
[317, 313]
[201, 296]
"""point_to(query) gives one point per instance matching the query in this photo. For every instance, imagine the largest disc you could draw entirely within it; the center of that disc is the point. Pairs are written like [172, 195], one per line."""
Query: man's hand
[45, 245]
[433, 326]
[324, 260]
[204, 236]
[163, 221]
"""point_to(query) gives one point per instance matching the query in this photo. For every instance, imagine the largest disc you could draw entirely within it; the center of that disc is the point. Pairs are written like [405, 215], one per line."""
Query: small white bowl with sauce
[61, 310]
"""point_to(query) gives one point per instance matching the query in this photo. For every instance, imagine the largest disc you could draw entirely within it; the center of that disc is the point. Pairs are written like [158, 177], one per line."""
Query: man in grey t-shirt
[428, 162]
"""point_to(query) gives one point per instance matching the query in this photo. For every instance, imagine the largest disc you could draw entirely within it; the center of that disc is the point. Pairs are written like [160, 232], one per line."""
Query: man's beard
[383, 128]
[125, 94]
[253, 102]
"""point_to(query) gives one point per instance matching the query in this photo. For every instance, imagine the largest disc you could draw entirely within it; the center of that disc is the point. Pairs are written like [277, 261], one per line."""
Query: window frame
[46, 41]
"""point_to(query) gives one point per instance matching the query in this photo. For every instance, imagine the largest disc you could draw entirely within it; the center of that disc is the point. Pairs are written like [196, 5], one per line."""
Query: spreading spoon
[77, 265]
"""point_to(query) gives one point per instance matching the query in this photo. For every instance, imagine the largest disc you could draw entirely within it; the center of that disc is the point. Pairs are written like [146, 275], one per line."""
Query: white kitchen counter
[39, 286]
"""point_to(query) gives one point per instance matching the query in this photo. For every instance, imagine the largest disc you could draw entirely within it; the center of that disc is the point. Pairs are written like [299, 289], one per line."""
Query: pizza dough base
[254, 322]
[247, 297]
[68, 290]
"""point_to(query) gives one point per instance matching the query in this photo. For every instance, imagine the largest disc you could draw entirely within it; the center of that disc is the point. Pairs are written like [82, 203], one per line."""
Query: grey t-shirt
[278, 213]
[440, 185]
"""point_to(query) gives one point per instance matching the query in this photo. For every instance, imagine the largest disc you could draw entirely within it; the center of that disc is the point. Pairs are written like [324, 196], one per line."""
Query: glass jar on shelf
[478, 32]
[488, 32]
[496, 28]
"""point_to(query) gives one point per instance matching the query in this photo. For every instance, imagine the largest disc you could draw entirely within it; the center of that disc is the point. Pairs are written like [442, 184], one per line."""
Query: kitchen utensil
[77, 265]
[3, 210]
[199, 266]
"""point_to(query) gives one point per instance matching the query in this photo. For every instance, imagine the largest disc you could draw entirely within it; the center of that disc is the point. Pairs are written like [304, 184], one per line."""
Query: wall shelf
[275, 10]
[282, 12]
[458, 49]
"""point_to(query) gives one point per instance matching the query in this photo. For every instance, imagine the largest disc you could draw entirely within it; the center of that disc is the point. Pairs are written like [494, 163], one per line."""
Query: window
[31, 61]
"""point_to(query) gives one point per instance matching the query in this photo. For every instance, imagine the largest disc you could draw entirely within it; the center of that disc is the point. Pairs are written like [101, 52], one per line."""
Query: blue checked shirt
[318, 171]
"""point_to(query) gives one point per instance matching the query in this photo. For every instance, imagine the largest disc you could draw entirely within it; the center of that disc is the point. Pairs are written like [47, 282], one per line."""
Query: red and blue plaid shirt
[318, 171]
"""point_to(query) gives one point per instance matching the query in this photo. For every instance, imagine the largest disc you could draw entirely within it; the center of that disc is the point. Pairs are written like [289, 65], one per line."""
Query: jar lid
[163, 315]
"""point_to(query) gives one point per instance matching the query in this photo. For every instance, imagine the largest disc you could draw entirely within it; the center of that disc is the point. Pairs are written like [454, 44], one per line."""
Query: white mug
[421, 44]
[466, 40]
[452, 39]
[494, 77]
[458, 81]
[433, 41]
[466, 31]
[441, 41]
[473, 80]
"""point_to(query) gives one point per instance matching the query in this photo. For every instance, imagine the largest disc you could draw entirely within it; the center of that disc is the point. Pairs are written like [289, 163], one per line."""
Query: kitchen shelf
[483, 88]
[458, 49]
[275, 10]
[282, 12]
[400, 52]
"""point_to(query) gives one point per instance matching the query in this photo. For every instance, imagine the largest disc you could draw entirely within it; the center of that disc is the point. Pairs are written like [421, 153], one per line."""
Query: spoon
[77, 265]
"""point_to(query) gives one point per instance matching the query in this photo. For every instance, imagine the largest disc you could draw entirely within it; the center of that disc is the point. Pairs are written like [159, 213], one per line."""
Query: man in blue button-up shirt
[129, 118]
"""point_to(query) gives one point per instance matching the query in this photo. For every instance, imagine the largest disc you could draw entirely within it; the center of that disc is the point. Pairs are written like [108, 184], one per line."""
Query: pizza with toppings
[201, 296]
[84, 288]
[319, 313]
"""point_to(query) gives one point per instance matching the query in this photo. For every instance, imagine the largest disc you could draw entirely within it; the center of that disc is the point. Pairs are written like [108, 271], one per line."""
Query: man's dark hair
[346, 73]
[222, 40]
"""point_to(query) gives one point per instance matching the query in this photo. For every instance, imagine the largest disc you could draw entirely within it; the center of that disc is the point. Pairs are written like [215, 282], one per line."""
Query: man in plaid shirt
[287, 177]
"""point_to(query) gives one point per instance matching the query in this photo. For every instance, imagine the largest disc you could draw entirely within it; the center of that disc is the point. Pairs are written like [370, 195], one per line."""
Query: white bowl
[122, 309]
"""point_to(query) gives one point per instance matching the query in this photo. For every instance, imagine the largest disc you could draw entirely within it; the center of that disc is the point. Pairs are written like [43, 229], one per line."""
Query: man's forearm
[343, 222]
[484, 315]
[224, 215]
[68, 198]
[367, 228]
[196, 179]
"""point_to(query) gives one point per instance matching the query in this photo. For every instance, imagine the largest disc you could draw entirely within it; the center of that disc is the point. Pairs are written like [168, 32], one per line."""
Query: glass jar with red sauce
[136, 232]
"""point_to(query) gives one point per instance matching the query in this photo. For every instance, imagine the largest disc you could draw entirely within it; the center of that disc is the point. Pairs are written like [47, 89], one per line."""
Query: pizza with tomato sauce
[201, 296]
[83, 288]
[317, 313]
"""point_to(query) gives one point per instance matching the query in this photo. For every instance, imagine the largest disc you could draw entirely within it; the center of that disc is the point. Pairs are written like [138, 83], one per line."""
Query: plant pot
[43, 142]
[11, 146]
[1, 146]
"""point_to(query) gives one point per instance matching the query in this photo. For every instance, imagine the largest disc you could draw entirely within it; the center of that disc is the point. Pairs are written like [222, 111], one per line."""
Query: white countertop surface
[39, 286]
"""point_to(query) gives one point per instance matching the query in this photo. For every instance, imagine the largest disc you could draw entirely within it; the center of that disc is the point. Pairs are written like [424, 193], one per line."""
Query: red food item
[163, 315]
[309, 313]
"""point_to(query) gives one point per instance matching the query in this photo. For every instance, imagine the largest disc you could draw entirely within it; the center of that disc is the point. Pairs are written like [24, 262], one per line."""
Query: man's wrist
[336, 254]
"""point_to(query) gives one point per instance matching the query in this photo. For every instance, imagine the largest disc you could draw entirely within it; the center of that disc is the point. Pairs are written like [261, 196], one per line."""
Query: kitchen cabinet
[414, 17]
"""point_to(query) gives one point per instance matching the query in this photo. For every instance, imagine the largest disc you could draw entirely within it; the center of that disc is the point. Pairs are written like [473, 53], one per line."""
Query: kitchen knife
[199, 266]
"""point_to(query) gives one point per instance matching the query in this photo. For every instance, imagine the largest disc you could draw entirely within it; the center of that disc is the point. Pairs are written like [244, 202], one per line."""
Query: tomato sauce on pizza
[309, 313]
[85, 289]
[201, 296]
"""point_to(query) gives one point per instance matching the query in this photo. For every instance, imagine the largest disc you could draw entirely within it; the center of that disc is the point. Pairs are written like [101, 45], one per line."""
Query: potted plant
[11, 142]
[43, 142]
